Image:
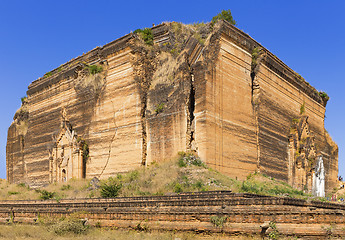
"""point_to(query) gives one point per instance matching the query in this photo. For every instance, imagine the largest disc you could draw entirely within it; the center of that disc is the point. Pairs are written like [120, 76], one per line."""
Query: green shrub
[48, 74]
[141, 228]
[178, 188]
[45, 195]
[65, 187]
[199, 184]
[24, 99]
[133, 175]
[218, 221]
[94, 69]
[324, 96]
[275, 233]
[224, 15]
[181, 163]
[13, 193]
[146, 35]
[68, 226]
[255, 55]
[21, 185]
[187, 159]
[110, 189]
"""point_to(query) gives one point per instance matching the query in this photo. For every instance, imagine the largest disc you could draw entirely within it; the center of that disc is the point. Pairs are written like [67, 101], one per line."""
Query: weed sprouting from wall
[218, 221]
[159, 108]
[302, 109]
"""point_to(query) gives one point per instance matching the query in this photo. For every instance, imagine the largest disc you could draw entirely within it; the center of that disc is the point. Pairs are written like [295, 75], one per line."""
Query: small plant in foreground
[218, 221]
[275, 233]
[70, 225]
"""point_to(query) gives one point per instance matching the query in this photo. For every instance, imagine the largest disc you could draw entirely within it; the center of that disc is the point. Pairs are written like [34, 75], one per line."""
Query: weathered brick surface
[244, 213]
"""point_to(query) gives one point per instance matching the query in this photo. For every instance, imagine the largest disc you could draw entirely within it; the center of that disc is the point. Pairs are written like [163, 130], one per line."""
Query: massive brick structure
[215, 91]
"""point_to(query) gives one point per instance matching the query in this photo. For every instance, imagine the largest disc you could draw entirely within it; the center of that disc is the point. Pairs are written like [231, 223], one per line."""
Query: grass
[264, 185]
[187, 173]
[41, 232]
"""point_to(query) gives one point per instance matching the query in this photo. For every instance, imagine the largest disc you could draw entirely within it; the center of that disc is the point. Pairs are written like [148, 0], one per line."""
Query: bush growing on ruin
[45, 195]
[274, 234]
[218, 221]
[223, 15]
[187, 159]
[94, 69]
[178, 188]
[24, 99]
[110, 188]
[146, 35]
[324, 96]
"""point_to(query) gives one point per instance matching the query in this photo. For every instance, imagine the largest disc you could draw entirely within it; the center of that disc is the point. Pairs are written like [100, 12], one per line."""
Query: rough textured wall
[231, 131]
[212, 91]
[252, 103]
[101, 109]
[241, 213]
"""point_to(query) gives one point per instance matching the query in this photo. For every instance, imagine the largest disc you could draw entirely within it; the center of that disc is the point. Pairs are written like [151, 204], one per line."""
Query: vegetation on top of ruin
[24, 100]
[146, 35]
[22, 114]
[94, 69]
[324, 96]
[223, 15]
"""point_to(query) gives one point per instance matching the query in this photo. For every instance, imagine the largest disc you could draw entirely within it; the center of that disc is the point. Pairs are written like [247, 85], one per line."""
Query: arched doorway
[63, 175]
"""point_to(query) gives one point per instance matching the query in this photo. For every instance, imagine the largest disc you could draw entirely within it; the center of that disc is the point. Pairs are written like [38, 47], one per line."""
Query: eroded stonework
[214, 91]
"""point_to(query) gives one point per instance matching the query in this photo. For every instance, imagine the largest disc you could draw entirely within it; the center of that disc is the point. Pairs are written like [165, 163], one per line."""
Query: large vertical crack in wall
[190, 112]
[144, 63]
[257, 57]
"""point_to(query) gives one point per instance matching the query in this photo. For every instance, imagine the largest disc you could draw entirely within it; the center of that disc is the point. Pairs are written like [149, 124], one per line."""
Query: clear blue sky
[38, 36]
